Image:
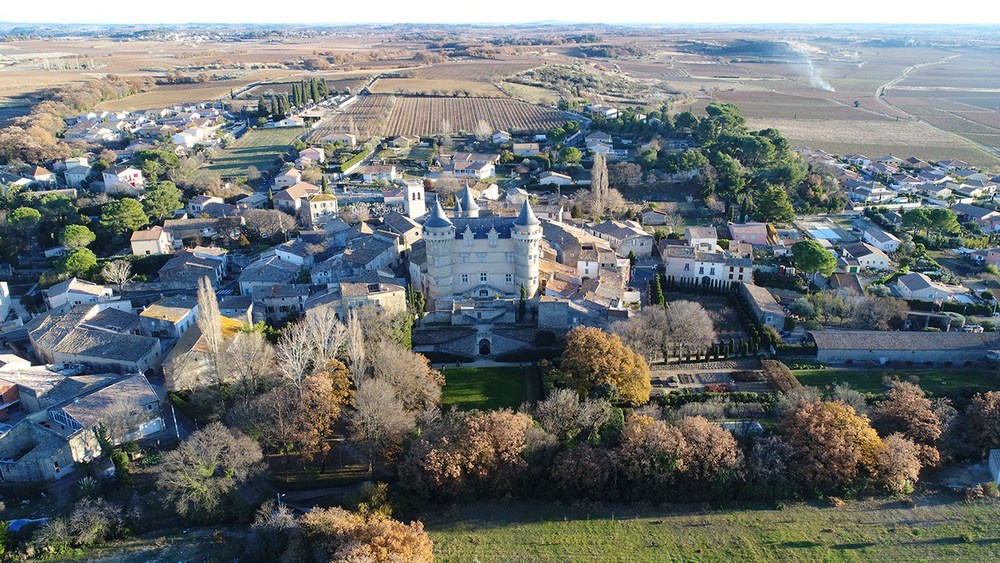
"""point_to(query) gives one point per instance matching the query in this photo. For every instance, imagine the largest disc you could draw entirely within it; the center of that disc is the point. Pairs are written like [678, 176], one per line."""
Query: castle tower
[527, 235]
[469, 206]
[413, 200]
[439, 234]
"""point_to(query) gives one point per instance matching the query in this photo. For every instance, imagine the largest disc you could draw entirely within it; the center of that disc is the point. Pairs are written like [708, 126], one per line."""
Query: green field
[937, 381]
[940, 527]
[258, 147]
[482, 388]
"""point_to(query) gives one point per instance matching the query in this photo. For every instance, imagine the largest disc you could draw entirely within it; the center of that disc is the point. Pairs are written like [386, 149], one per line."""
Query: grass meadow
[939, 381]
[938, 527]
[482, 388]
[259, 147]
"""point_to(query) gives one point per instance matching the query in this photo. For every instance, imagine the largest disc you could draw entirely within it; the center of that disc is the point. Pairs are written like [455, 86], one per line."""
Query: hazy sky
[508, 11]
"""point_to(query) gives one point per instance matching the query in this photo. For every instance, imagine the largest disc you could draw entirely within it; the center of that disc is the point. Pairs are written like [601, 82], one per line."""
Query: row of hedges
[780, 281]
[979, 309]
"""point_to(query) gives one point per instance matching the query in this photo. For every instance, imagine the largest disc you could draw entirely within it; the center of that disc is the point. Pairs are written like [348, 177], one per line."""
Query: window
[711, 272]
[465, 257]
[701, 270]
[687, 267]
[741, 277]
[465, 279]
[509, 278]
[481, 257]
[436, 261]
[482, 277]
[510, 256]
[730, 276]
[731, 268]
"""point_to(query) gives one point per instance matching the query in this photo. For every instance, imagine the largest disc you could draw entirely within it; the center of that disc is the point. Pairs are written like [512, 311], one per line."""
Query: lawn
[259, 147]
[482, 388]
[939, 527]
[943, 381]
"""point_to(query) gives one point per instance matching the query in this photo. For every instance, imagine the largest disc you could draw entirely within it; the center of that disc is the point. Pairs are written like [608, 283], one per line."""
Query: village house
[349, 141]
[255, 200]
[882, 240]
[267, 271]
[686, 263]
[753, 233]
[196, 206]
[860, 346]
[117, 177]
[500, 137]
[288, 178]
[76, 292]
[763, 305]
[41, 175]
[49, 443]
[866, 257]
[319, 209]
[526, 149]
[291, 198]
[469, 169]
[76, 175]
[376, 173]
[170, 317]
[97, 335]
[274, 303]
[554, 178]
[624, 237]
[702, 239]
[186, 268]
[917, 285]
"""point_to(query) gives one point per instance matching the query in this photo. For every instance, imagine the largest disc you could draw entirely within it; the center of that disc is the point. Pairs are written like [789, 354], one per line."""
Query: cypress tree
[274, 107]
[261, 107]
[295, 95]
[325, 185]
[324, 90]
[314, 90]
[522, 305]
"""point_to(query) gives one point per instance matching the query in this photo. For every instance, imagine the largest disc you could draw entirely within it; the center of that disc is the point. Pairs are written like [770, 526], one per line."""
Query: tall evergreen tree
[522, 305]
[275, 109]
[261, 107]
[324, 90]
[325, 185]
[314, 90]
[295, 95]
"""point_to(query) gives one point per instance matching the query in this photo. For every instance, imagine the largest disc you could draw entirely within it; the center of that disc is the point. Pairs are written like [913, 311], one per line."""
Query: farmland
[365, 118]
[424, 116]
[443, 87]
[258, 147]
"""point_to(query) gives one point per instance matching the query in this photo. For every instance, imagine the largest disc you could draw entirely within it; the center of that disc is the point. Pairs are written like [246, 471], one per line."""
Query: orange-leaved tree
[593, 357]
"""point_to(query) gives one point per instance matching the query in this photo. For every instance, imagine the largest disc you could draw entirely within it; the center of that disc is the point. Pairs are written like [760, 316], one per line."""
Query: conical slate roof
[437, 218]
[527, 217]
[468, 202]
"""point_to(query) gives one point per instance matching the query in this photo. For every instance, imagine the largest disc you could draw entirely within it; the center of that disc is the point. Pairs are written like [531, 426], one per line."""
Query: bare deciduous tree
[248, 360]
[379, 419]
[295, 353]
[204, 468]
[118, 272]
[644, 333]
[326, 331]
[689, 325]
[483, 130]
[268, 222]
[416, 384]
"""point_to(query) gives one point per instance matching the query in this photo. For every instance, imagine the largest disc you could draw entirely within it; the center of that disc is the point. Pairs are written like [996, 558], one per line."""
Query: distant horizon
[515, 12]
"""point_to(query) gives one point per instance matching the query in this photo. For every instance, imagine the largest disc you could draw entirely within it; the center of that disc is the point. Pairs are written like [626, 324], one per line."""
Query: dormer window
[467, 236]
[494, 237]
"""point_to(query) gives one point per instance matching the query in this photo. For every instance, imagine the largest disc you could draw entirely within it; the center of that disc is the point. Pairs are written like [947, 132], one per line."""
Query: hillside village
[485, 248]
